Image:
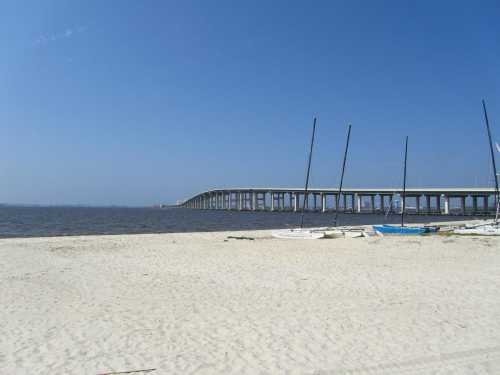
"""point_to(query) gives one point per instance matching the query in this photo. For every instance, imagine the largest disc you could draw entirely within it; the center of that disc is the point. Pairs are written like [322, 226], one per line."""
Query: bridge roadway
[446, 201]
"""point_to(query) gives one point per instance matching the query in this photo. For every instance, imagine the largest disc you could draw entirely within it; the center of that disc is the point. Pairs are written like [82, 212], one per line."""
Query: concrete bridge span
[445, 201]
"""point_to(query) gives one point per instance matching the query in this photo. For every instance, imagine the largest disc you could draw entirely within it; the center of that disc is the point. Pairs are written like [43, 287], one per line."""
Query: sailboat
[402, 229]
[345, 231]
[489, 228]
[302, 233]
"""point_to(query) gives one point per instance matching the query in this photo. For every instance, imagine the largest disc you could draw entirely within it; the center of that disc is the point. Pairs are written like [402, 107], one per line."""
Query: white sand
[194, 304]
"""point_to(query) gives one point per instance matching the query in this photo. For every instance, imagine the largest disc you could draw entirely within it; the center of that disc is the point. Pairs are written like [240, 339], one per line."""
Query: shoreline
[437, 223]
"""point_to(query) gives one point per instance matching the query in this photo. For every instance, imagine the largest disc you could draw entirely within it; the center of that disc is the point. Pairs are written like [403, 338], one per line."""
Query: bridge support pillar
[372, 202]
[438, 204]
[323, 202]
[295, 201]
[417, 207]
[462, 205]
[261, 201]
[428, 204]
[446, 205]
[474, 205]
[358, 205]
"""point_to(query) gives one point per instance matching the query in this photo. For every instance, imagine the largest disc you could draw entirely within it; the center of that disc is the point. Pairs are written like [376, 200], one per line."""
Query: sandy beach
[199, 303]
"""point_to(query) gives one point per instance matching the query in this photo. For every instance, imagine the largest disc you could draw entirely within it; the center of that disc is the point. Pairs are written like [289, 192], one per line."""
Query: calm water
[65, 221]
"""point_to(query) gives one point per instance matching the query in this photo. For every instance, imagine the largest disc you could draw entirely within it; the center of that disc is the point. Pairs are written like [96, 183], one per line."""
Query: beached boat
[403, 229]
[487, 229]
[298, 234]
[324, 232]
[345, 232]
[317, 233]
[396, 229]
[302, 233]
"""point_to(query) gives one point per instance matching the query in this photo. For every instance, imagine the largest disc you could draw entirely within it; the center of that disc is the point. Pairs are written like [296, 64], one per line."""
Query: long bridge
[445, 201]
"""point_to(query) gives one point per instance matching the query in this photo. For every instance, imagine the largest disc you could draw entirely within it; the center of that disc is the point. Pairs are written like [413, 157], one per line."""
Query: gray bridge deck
[367, 200]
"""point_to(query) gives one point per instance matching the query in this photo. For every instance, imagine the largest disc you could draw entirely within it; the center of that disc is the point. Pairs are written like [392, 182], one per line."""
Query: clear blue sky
[139, 102]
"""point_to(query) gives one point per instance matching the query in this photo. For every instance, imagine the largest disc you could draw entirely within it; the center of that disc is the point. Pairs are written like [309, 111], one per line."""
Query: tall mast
[342, 177]
[492, 158]
[404, 186]
[307, 175]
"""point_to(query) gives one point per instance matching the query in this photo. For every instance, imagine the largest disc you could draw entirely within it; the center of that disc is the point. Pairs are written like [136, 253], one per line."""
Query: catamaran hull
[480, 230]
[317, 233]
[298, 234]
[391, 229]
